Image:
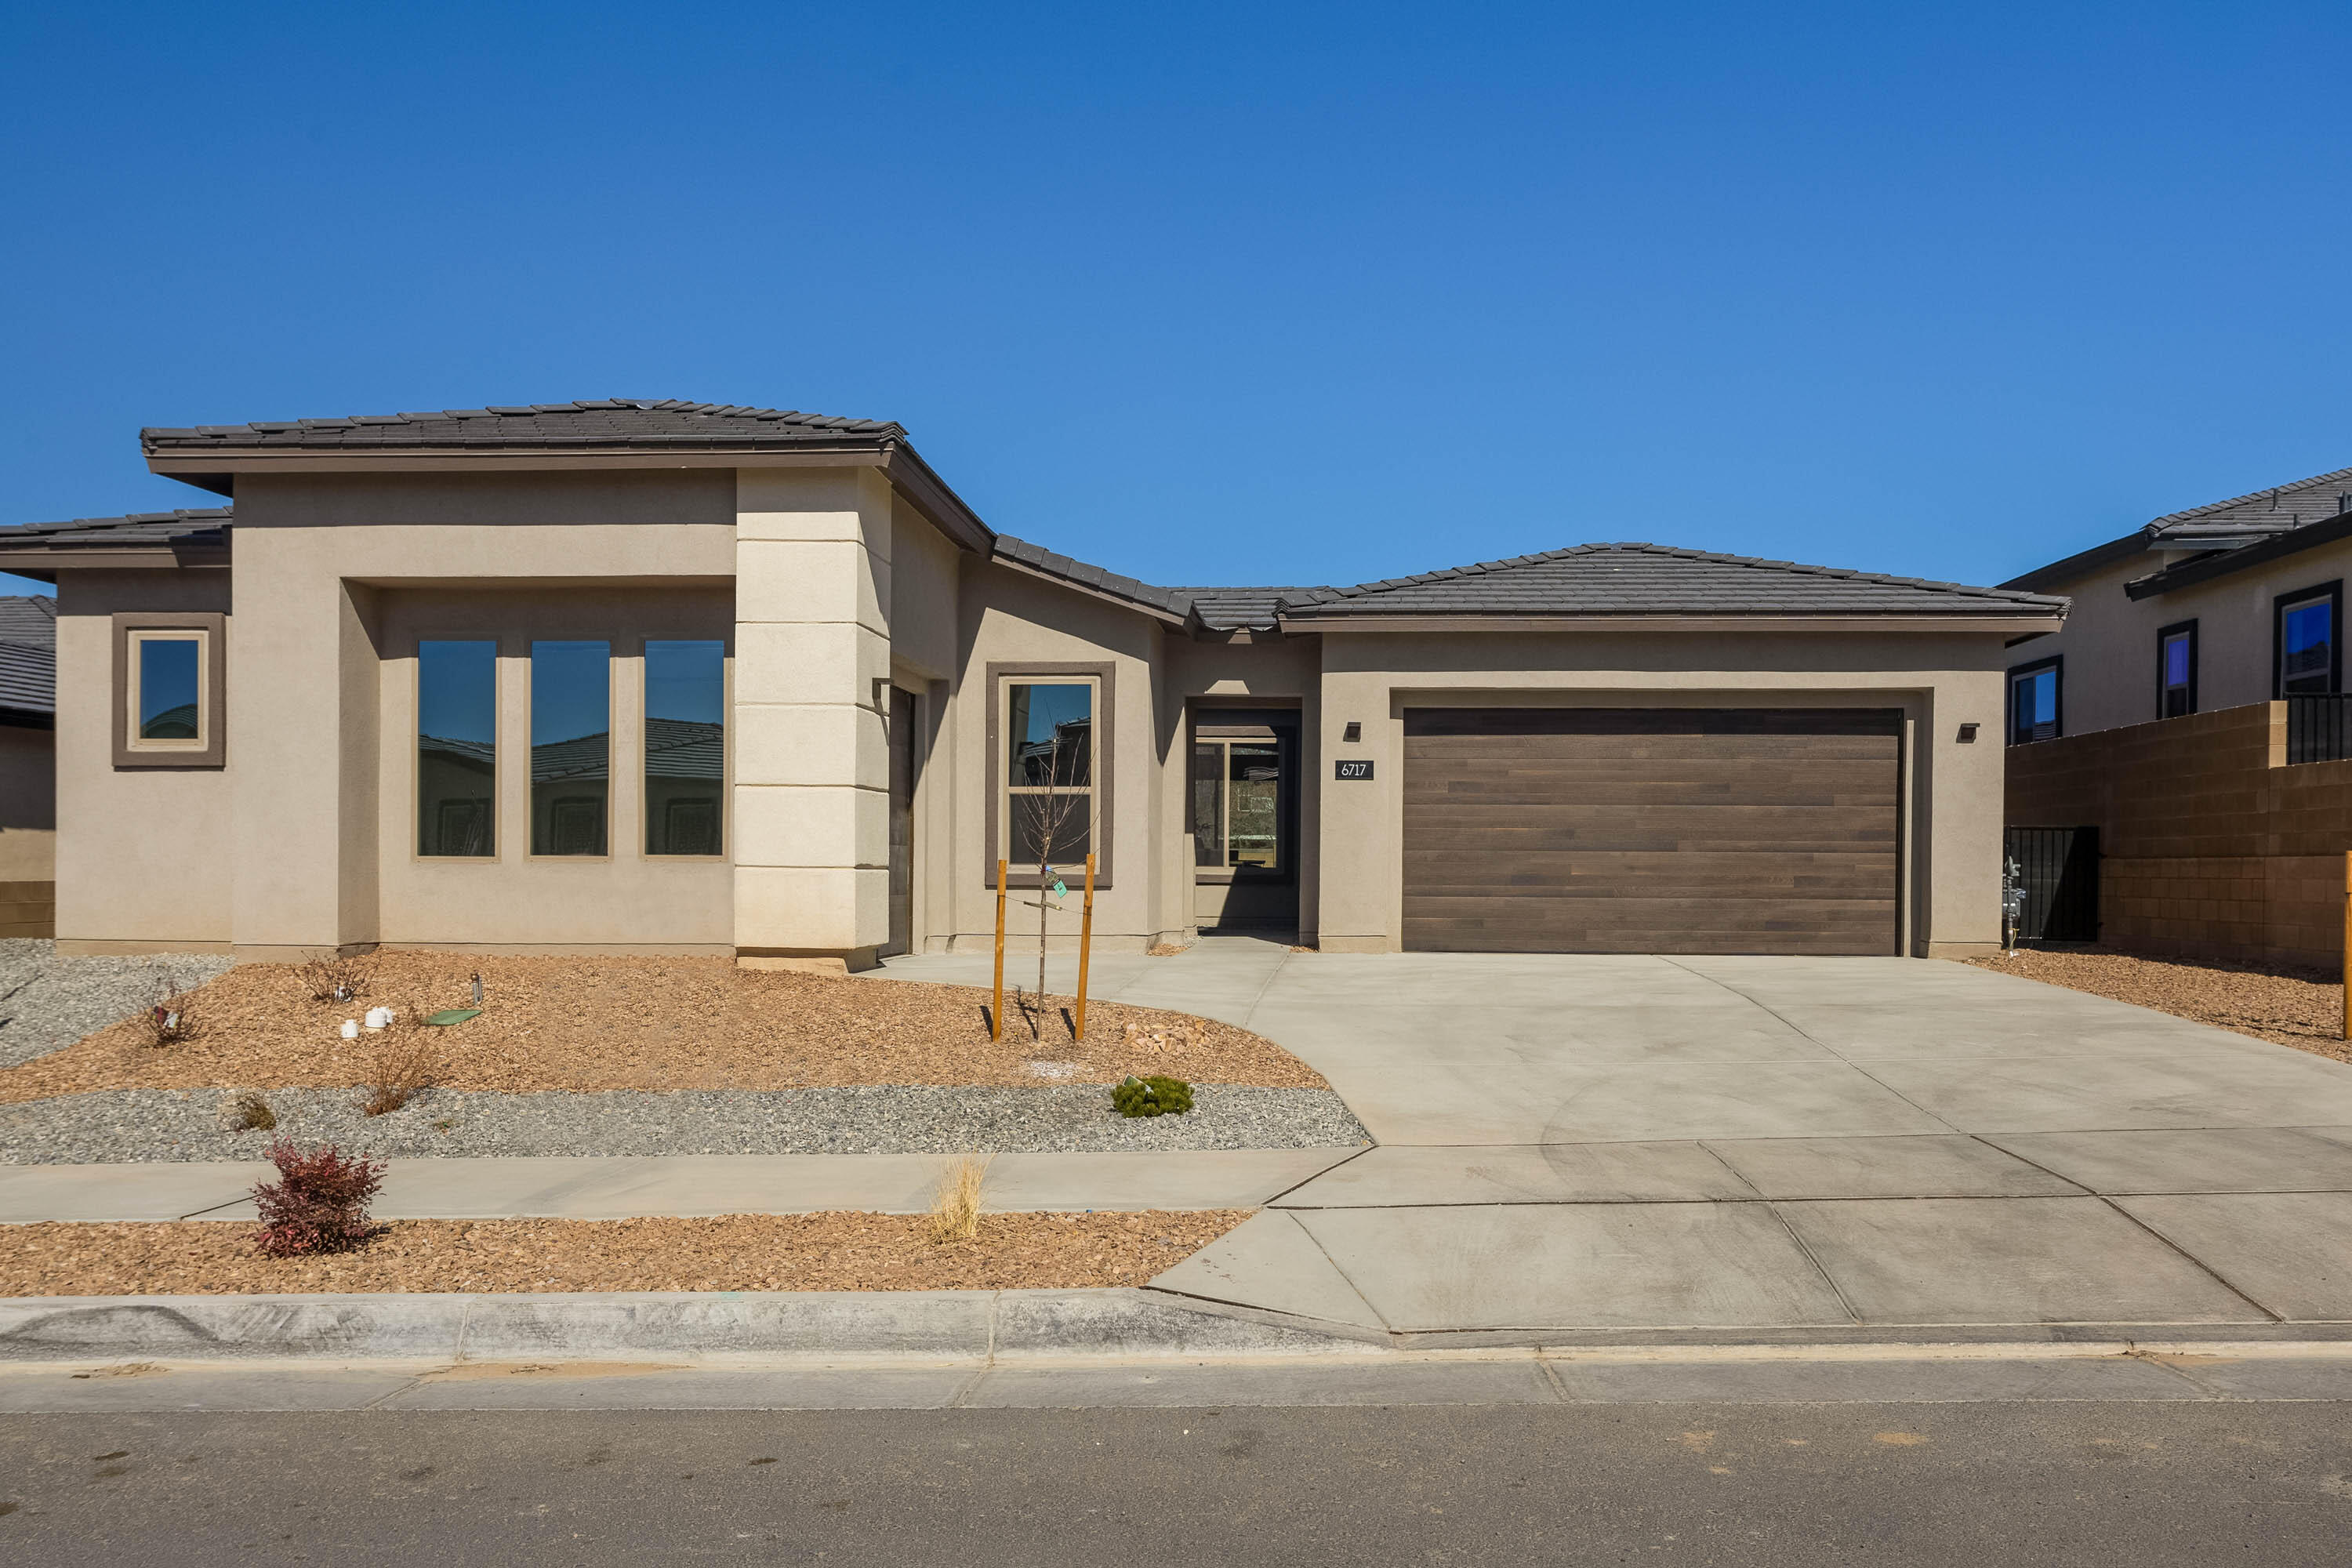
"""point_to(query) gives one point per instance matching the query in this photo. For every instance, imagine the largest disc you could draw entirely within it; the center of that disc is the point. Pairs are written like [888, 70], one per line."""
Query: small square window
[168, 683]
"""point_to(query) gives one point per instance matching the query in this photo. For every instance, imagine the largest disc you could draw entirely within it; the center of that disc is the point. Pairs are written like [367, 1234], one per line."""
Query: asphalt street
[2148, 1484]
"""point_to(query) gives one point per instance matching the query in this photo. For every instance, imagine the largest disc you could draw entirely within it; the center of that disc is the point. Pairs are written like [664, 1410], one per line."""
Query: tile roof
[1654, 579]
[2240, 520]
[1168, 603]
[31, 619]
[28, 677]
[607, 422]
[197, 525]
[1239, 609]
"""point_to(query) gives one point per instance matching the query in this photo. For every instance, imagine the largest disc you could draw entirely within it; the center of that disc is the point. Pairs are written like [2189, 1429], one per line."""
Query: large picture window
[168, 690]
[685, 748]
[2306, 656]
[2036, 695]
[457, 748]
[1049, 731]
[571, 747]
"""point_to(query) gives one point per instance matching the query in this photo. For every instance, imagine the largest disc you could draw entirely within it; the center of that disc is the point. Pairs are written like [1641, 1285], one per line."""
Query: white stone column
[811, 755]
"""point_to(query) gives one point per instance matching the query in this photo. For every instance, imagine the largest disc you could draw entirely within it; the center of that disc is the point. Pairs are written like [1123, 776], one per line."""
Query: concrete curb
[883, 1325]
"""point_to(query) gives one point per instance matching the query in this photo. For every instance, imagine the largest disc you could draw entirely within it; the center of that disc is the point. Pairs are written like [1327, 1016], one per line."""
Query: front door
[1244, 818]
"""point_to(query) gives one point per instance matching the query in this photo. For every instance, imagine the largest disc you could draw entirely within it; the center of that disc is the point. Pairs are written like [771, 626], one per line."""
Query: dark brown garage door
[1649, 830]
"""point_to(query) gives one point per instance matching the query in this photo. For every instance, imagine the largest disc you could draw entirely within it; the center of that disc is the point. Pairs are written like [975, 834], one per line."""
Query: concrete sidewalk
[591, 1188]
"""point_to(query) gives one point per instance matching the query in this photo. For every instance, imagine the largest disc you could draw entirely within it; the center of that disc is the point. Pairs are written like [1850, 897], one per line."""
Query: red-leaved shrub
[319, 1203]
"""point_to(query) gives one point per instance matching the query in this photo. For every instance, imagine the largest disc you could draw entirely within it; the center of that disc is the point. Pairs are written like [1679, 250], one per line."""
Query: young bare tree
[1051, 819]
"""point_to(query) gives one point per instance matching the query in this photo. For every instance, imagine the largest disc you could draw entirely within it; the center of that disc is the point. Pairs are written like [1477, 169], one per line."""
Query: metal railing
[2319, 729]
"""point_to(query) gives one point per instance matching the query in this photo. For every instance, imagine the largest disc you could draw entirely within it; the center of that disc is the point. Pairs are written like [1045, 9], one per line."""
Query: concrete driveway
[1578, 1146]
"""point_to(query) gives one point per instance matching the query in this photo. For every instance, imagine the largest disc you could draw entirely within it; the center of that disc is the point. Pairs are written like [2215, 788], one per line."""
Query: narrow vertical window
[686, 747]
[2175, 677]
[2035, 697]
[1049, 771]
[2306, 645]
[571, 746]
[456, 748]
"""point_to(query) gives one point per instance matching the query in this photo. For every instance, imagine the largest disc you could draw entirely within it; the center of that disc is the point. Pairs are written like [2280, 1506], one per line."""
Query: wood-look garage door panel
[1627, 830]
[1809, 829]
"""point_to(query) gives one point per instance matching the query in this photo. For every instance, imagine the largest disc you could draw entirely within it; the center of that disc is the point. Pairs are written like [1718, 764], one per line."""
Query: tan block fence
[2212, 846]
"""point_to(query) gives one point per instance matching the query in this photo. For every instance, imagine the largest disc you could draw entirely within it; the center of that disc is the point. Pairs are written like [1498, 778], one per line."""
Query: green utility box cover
[454, 1016]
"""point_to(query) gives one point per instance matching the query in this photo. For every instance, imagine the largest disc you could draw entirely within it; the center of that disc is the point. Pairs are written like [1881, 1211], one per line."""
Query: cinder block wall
[2212, 847]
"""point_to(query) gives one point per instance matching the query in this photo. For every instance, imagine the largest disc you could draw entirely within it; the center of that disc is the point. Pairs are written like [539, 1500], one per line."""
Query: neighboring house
[28, 789]
[2236, 602]
[2190, 714]
[669, 677]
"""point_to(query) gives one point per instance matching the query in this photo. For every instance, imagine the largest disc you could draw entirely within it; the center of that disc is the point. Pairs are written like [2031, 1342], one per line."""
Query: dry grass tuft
[248, 1111]
[955, 1207]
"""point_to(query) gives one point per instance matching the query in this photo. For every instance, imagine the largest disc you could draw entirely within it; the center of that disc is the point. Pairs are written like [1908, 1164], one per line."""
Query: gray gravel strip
[47, 1003]
[142, 1125]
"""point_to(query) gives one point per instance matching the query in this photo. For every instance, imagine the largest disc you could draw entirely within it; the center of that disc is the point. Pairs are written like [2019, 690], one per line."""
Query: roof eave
[2136, 542]
[42, 561]
[2205, 568]
[2005, 621]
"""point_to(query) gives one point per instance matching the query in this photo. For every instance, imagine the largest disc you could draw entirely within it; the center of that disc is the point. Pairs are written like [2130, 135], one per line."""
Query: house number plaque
[1359, 769]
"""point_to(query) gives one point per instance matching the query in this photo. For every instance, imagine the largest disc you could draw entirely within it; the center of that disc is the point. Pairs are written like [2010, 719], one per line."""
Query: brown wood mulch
[728, 1252]
[2288, 1006]
[577, 1023]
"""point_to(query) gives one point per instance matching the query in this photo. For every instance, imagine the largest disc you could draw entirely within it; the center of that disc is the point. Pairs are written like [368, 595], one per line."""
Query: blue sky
[1230, 294]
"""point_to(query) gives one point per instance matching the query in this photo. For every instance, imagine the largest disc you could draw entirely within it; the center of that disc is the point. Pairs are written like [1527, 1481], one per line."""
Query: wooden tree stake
[1086, 939]
[996, 1012]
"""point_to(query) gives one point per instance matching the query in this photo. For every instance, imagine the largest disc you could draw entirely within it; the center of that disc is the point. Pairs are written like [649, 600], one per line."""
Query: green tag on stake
[1060, 891]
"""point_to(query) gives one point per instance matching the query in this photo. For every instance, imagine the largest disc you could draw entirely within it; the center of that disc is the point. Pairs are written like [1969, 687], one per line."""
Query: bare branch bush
[336, 976]
[406, 1061]
[172, 1016]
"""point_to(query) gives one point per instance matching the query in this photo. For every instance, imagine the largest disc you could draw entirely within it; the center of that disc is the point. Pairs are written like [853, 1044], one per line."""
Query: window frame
[2056, 665]
[725, 749]
[2164, 635]
[612, 781]
[2333, 593]
[209, 631]
[1001, 678]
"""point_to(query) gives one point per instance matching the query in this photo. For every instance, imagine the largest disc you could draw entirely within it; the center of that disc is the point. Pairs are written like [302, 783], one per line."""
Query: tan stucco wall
[143, 856]
[625, 898]
[2109, 640]
[926, 650]
[1012, 618]
[1952, 861]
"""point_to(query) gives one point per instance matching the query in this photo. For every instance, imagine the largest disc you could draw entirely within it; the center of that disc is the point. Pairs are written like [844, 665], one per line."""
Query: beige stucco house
[667, 677]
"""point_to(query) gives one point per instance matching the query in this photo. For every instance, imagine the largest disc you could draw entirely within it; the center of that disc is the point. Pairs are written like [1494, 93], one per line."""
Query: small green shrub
[1152, 1096]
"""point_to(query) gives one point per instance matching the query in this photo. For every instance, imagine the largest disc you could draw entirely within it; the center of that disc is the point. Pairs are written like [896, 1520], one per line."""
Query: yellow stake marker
[1087, 938]
[996, 1012]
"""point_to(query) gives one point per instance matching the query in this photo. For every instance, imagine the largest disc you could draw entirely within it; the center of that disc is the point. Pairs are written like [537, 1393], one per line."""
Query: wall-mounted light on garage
[1354, 731]
[1968, 734]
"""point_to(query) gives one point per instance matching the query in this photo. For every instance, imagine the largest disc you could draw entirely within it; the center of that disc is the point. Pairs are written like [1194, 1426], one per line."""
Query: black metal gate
[2057, 868]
